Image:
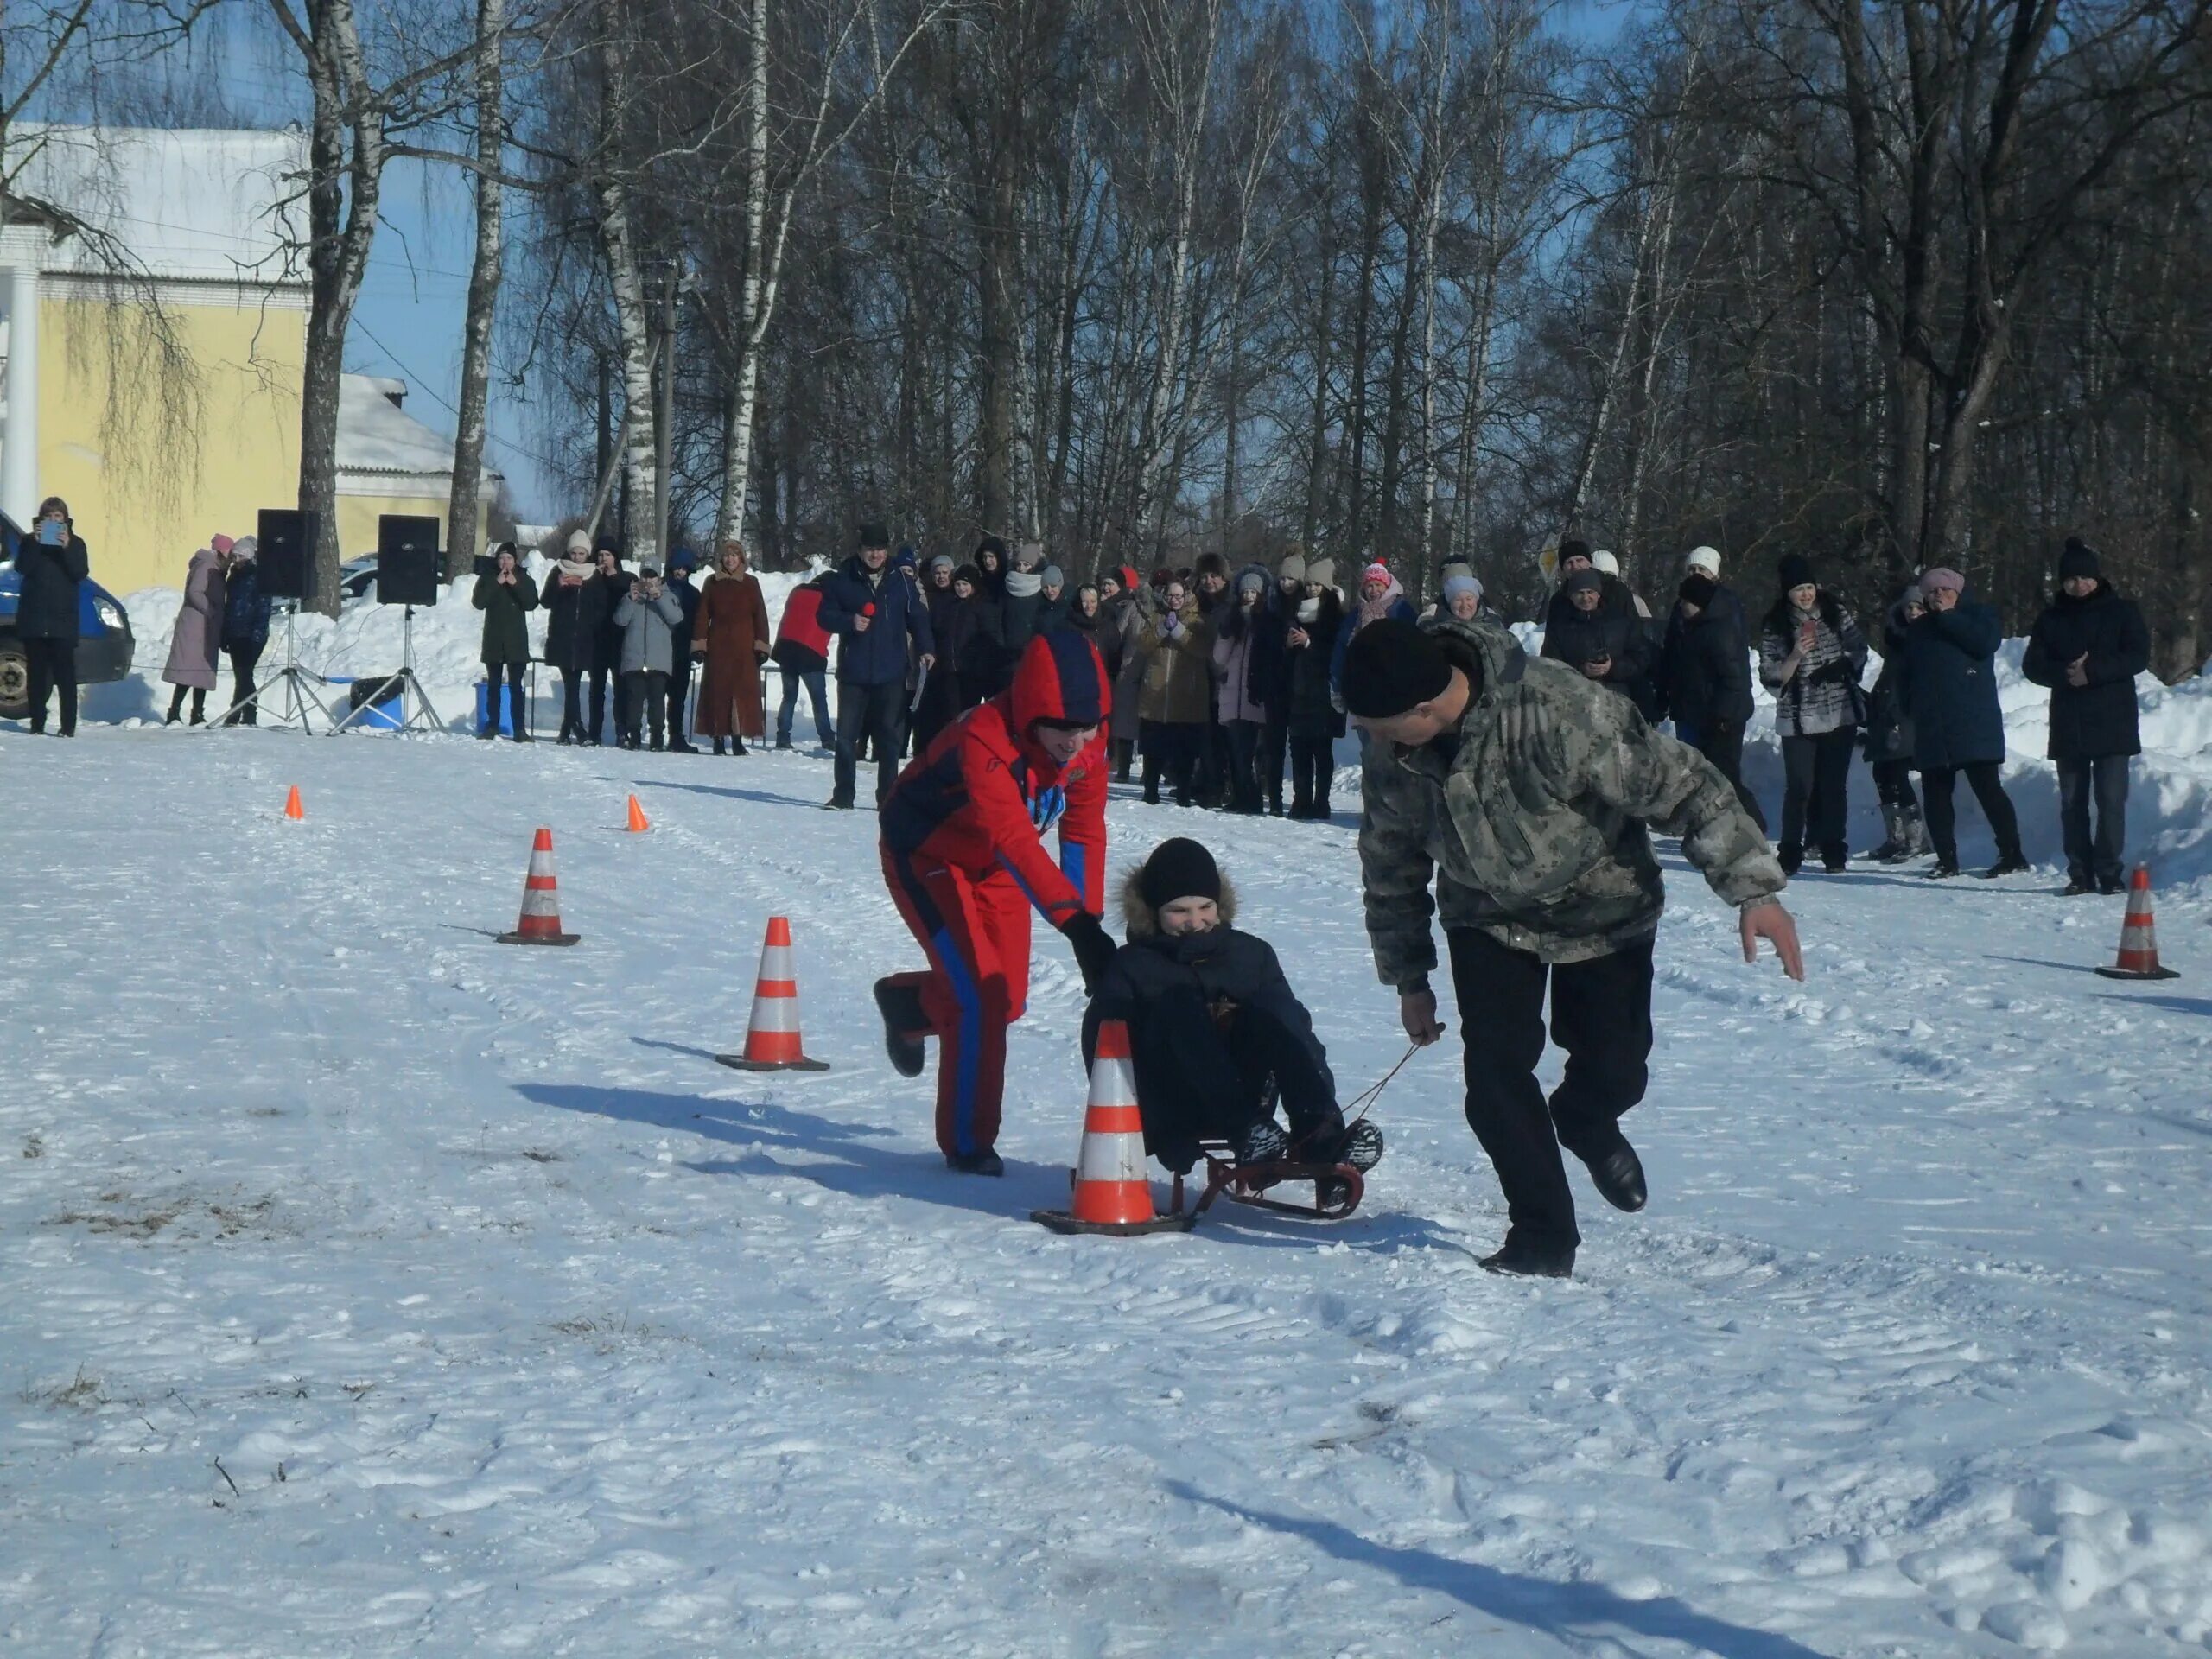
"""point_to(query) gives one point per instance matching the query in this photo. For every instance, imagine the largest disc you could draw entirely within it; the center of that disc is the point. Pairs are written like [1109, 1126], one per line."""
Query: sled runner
[1247, 1183]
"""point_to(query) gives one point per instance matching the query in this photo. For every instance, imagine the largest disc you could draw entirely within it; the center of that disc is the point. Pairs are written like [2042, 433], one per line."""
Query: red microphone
[867, 610]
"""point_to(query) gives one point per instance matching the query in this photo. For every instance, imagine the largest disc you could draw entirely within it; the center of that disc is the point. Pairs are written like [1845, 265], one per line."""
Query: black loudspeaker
[287, 543]
[407, 559]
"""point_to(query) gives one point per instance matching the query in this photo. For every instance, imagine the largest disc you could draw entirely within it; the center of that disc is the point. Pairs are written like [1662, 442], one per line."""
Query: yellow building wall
[358, 515]
[145, 491]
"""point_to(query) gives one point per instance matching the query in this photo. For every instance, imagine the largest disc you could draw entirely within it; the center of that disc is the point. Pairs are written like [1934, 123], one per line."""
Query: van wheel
[14, 680]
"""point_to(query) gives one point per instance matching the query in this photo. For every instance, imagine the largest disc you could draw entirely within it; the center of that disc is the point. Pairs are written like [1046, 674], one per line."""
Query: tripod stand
[291, 679]
[420, 711]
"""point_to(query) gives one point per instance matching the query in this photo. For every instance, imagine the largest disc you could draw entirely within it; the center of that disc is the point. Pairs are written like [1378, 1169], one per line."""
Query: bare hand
[760, 647]
[1807, 633]
[2077, 672]
[1775, 924]
[929, 659]
[861, 623]
[1598, 667]
[1297, 639]
[1417, 1013]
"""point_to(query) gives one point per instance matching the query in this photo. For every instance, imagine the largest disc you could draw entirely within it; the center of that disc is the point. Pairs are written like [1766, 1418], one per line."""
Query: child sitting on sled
[1216, 1036]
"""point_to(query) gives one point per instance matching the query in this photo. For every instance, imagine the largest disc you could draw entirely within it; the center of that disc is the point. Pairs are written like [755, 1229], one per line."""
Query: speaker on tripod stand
[407, 575]
[286, 538]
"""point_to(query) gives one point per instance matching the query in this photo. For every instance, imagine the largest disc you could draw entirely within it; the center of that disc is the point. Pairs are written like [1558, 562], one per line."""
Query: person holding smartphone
[52, 561]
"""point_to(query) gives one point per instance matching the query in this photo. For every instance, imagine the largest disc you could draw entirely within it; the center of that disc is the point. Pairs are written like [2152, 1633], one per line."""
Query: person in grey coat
[647, 619]
[195, 644]
[1949, 684]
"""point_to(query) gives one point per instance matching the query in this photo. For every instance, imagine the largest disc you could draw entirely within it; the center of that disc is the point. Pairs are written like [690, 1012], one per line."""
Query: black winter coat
[47, 608]
[600, 638]
[1267, 667]
[1613, 599]
[680, 634]
[1949, 680]
[246, 608]
[1888, 728]
[1313, 713]
[506, 625]
[568, 640]
[1579, 637]
[2099, 718]
[1705, 667]
[1216, 1034]
[1021, 618]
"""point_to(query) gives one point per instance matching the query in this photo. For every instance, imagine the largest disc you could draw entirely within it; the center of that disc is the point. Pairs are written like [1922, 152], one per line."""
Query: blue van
[104, 641]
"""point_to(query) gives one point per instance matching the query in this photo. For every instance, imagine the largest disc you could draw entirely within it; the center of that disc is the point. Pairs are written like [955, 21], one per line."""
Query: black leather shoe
[2012, 863]
[1618, 1176]
[1531, 1262]
[974, 1163]
[901, 1007]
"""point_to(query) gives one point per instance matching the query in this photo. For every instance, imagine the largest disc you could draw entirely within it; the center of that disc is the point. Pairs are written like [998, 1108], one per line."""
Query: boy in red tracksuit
[963, 834]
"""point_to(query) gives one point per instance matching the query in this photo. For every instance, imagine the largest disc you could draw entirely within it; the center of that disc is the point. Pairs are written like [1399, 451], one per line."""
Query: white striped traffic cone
[1113, 1192]
[772, 1043]
[2139, 935]
[541, 901]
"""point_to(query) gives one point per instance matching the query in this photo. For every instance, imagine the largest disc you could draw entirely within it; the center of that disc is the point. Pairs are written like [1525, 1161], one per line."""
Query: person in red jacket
[802, 656]
[963, 854]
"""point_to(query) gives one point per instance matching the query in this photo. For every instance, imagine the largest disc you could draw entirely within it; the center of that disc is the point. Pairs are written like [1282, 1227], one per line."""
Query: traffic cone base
[1112, 1188]
[540, 923]
[772, 1040]
[2139, 935]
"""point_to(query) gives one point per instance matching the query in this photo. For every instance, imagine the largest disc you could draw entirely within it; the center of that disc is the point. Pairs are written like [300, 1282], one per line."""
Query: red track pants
[976, 936]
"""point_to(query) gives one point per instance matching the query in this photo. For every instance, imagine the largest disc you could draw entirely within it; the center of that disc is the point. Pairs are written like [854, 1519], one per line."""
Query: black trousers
[1816, 772]
[518, 708]
[2105, 777]
[572, 703]
[1722, 743]
[877, 711]
[1996, 806]
[53, 668]
[1172, 747]
[1601, 1015]
[1275, 744]
[1312, 767]
[1893, 784]
[1244, 794]
[679, 695]
[599, 677]
[244, 660]
[644, 700]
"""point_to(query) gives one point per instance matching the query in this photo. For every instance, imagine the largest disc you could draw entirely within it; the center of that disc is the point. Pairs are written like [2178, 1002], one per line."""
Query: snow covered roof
[375, 436]
[186, 205]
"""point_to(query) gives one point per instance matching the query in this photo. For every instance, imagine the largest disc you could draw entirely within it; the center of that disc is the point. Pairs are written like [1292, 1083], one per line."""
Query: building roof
[189, 205]
[375, 436]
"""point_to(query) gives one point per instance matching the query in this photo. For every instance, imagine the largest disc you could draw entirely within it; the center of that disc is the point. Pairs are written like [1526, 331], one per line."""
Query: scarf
[1375, 609]
[1309, 610]
[576, 570]
[1024, 584]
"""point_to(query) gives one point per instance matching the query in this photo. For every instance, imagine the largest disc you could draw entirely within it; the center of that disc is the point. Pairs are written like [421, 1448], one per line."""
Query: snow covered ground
[374, 1288]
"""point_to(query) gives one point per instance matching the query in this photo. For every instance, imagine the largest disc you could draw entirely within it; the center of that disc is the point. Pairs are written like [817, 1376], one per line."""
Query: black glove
[1093, 946]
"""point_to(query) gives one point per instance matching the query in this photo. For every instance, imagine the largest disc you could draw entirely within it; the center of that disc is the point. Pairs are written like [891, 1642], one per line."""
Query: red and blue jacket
[984, 796]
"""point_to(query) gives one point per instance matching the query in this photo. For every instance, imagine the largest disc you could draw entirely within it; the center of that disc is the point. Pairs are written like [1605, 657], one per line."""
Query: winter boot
[718, 745]
[1894, 836]
[1618, 1176]
[2010, 861]
[1260, 1142]
[1913, 832]
[1530, 1261]
[901, 1007]
[1792, 858]
[974, 1163]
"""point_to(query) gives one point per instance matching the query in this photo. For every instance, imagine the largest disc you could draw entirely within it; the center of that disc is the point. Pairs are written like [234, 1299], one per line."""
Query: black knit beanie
[2078, 559]
[1795, 571]
[1178, 868]
[1390, 666]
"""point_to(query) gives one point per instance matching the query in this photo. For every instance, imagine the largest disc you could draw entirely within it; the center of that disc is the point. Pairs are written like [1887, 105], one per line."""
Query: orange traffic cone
[1113, 1194]
[2139, 935]
[293, 810]
[772, 1044]
[639, 822]
[541, 901]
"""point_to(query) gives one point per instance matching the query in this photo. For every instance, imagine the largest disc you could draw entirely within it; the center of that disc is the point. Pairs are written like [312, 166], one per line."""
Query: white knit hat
[1707, 559]
[579, 542]
[1606, 563]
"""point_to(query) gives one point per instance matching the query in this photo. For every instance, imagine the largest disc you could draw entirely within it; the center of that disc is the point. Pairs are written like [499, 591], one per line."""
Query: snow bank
[362, 641]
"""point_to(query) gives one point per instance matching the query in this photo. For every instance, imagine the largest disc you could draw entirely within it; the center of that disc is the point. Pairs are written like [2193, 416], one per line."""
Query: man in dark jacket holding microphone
[874, 610]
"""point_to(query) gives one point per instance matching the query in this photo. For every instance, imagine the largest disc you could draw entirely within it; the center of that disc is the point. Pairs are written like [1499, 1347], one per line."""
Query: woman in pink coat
[196, 644]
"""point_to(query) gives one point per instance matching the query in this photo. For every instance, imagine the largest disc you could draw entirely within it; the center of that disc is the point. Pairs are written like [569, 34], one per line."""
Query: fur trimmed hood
[1139, 921]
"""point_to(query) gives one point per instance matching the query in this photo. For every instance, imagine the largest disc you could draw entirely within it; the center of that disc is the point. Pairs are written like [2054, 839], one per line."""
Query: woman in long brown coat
[730, 638]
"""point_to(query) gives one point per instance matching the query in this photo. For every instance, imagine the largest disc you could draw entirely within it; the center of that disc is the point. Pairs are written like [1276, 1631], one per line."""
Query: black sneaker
[974, 1163]
[1531, 1262]
[1618, 1176]
[2111, 884]
[1261, 1142]
[1944, 870]
[835, 805]
[2007, 864]
[2077, 887]
[901, 1007]
[781, 743]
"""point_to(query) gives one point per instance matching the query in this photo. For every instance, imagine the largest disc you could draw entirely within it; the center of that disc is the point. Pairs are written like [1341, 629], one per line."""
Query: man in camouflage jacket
[1521, 788]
